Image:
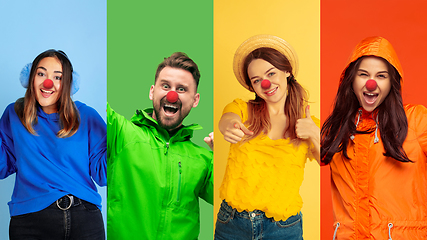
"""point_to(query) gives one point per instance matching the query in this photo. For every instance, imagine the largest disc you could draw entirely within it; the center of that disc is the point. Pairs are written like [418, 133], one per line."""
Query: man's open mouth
[170, 109]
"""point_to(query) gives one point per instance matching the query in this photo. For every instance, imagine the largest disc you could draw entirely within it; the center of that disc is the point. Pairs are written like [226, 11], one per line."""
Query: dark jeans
[234, 225]
[82, 220]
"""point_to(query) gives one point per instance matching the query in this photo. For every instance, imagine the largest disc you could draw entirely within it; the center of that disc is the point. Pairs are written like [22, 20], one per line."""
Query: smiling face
[170, 115]
[258, 70]
[376, 69]
[47, 96]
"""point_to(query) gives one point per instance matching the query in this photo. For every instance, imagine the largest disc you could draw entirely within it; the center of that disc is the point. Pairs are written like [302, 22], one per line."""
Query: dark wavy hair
[26, 107]
[258, 117]
[339, 126]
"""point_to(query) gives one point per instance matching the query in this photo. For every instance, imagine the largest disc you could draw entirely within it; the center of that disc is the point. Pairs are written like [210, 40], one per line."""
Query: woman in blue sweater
[57, 148]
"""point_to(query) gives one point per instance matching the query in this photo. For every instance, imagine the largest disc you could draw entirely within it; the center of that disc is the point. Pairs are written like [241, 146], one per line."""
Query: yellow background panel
[297, 22]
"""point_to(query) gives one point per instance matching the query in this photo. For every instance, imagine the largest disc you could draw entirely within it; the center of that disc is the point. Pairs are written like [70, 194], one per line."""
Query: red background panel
[343, 24]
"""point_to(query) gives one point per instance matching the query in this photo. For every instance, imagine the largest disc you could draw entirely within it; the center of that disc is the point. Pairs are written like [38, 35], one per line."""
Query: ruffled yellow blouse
[264, 174]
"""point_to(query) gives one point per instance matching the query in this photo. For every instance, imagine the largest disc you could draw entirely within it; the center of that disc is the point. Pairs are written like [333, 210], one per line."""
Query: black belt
[68, 201]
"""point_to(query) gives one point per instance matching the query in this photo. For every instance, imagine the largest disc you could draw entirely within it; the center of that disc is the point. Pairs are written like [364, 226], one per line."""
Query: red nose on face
[48, 83]
[371, 85]
[265, 84]
[172, 96]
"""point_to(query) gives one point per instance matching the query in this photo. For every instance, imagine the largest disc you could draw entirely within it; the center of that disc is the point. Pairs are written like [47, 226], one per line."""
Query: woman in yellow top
[271, 139]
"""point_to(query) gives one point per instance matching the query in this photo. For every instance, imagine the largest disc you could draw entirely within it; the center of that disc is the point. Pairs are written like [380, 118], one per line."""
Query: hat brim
[261, 41]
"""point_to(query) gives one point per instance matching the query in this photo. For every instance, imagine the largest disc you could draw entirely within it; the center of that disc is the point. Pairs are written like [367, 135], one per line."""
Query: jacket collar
[143, 118]
[366, 115]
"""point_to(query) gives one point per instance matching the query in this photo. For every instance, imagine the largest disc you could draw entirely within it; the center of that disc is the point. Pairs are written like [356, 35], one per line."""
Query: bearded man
[156, 175]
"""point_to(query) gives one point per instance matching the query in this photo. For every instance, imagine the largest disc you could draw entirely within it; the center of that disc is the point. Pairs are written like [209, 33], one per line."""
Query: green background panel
[140, 34]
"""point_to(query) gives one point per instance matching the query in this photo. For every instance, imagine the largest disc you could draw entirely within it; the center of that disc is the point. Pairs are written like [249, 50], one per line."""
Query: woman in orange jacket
[376, 148]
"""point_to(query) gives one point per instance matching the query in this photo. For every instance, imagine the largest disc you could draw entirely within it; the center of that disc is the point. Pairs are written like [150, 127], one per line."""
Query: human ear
[151, 92]
[196, 100]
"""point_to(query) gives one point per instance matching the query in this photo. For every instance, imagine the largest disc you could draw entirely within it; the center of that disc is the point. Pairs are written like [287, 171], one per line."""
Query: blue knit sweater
[48, 167]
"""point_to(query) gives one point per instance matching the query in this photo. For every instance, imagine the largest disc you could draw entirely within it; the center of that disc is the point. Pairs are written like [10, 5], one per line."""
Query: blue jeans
[64, 219]
[234, 225]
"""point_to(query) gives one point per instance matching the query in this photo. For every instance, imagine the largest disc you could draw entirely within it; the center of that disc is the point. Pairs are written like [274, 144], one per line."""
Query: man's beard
[167, 122]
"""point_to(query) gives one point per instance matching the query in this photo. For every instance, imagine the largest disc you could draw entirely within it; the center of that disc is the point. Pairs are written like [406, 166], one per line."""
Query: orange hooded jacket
[378, 197]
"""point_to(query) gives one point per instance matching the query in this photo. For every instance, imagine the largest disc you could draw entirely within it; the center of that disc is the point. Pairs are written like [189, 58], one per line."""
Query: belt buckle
[69, 206]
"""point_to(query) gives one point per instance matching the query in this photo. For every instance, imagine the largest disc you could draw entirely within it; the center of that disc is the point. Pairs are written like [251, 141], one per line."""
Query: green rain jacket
[154, 182]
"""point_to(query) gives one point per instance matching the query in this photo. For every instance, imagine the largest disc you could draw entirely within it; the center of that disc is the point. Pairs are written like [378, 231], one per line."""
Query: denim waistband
[257, 214]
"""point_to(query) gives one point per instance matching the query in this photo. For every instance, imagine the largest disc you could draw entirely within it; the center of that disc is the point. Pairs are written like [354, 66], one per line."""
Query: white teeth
[50, 92]
[170, 106]
[271, 91]
[371, 94]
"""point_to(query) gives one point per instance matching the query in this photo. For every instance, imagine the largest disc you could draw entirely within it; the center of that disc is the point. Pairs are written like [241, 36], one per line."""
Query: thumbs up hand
[305, 128]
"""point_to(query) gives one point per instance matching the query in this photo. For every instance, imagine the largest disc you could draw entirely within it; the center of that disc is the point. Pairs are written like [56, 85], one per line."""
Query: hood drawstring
[390, 225]
[336, 229]
[376, 140]
[357, 123]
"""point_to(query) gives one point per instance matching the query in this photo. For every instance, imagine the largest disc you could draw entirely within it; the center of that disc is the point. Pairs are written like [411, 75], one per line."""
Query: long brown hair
[26, 107]
[339, 126]
[258, 117]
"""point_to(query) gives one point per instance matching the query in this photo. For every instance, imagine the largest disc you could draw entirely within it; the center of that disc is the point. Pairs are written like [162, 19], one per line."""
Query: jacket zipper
[167, 148]
[179, 181]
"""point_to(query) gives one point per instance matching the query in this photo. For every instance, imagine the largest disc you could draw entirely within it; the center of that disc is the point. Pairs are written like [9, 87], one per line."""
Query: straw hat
[260, 41]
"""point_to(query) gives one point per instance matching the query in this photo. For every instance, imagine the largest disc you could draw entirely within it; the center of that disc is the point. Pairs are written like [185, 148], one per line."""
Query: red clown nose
[265, 83]
[172, 96]
[48, 83]
[371, 85]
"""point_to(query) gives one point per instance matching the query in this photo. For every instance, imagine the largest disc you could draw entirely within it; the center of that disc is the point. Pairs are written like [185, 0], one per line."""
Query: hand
[210, 140]
[305, 128]
[235, 131]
